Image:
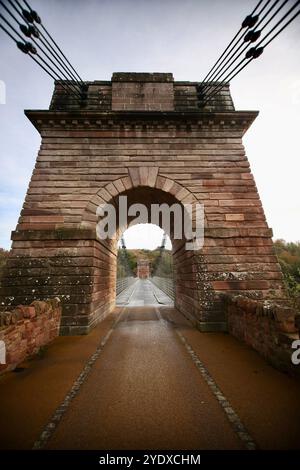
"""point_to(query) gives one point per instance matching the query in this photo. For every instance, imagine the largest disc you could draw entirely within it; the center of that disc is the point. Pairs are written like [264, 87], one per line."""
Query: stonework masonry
[268, 328]
[144, 136]
[26, 329]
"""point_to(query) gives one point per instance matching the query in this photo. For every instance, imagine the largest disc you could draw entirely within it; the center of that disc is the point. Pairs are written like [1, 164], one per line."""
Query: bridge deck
[142, 293]
[148, 380]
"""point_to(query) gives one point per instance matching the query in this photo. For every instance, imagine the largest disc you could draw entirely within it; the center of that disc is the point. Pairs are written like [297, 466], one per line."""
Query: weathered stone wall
[70, 264]
[91, 154]
[25, 329]
[142, 92]
[268, 328]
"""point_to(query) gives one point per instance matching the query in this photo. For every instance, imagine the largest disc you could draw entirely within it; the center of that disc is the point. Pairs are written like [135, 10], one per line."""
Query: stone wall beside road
[268, 328]
[25, 329]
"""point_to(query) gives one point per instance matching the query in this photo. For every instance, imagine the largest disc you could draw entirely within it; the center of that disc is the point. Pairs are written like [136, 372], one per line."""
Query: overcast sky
[184, 37]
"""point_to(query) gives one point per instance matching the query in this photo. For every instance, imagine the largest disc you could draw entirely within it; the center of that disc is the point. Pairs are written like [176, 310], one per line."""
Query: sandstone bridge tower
[142, 135]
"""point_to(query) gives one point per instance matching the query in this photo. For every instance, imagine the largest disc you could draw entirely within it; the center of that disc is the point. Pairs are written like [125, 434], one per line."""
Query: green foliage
[164, 265]
[3, 257]
[132, 261]
[124, 265]
[156, 261]
[288, 254]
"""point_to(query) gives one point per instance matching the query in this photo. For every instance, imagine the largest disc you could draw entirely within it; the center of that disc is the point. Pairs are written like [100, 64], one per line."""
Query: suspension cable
[256, 51]
[32, 57]
[54, 42]
[231, 42]
[43, 40]
[71, 85]
[230, 60]
[61, 72]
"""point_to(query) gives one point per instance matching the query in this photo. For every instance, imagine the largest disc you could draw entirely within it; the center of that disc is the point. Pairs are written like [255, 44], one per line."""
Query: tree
[288, 254]
[3, 257]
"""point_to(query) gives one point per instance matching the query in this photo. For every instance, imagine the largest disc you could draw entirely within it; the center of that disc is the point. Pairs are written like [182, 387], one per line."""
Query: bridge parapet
[267, 327]
[25, 329]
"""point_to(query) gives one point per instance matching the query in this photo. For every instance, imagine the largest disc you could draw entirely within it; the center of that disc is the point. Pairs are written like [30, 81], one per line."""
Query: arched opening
[145, 274]
[189, 292]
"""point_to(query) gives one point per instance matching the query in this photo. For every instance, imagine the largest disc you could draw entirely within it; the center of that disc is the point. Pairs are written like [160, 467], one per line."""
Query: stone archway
[139, 131]
[193, 294]
[144, 176]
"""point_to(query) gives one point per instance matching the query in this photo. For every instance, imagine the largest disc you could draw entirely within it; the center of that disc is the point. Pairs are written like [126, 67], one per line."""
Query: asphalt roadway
[145, 378]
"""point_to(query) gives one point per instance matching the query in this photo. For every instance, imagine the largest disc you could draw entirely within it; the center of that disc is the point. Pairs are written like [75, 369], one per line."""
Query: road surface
[145, 378]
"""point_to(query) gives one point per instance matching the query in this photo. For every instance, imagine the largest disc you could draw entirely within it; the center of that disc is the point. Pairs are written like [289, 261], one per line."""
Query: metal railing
[125, 275]
[163, 273]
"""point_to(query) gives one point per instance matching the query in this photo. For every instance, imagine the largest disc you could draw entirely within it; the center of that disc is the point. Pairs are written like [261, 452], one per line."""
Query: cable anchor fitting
[250, 21]
[254, 52]
[26, 47]
[252, 36]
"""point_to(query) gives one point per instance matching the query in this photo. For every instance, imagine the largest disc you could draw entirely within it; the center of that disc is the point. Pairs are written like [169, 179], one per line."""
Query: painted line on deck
[52, 425]
[232, 416]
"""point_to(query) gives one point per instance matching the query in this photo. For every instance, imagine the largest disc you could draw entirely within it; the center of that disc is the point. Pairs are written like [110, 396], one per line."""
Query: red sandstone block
[247, 176]
[28, 312]
[283, 313]
[35, 226]
[240, 202]
[240, 285]
[143, 171]
[152, 176]
[288, 326]
[40, 306]
[112, 189]
[160, 182]
[46, 219]
[135, 176]
[127, 182]
[234, 217]
[119, 185]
